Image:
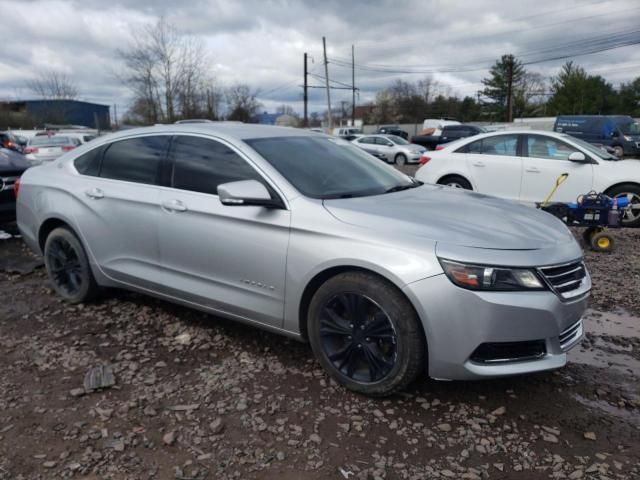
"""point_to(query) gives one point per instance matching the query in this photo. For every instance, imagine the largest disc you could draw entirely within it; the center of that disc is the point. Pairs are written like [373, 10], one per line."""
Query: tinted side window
[382, 141]
[550, 148]
[200, 165]
[135, 160]
[368, 140]
[89, 163]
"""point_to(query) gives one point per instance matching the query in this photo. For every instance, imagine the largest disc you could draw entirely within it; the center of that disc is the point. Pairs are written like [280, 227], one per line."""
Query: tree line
[573, 91]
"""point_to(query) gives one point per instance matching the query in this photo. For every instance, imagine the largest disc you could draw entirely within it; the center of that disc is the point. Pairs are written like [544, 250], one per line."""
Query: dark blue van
[620, 132]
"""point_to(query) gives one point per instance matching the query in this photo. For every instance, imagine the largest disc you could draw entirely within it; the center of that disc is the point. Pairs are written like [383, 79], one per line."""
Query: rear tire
[631, 216]
[366, 334]
[455, 181]
[68, 267]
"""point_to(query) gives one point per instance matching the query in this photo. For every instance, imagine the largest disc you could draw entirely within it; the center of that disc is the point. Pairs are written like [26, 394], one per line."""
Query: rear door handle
[532, 170]
[94, 193]
[174, 206]
[478, 164]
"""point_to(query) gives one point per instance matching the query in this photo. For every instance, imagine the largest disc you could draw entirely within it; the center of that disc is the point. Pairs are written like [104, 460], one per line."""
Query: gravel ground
[198, 397]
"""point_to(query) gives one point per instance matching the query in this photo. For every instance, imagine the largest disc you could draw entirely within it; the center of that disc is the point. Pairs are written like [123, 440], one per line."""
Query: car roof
[242, 131]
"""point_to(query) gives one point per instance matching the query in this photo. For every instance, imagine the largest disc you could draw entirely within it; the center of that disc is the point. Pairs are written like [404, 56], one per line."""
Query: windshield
[397, 140]
[326, 168]
[630, 128]
[56, 140]
[599, 152]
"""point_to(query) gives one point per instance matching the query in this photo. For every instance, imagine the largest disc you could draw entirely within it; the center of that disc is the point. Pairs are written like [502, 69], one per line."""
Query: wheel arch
[48, 226]
[455, 174]
[321, 277]
[619, 184]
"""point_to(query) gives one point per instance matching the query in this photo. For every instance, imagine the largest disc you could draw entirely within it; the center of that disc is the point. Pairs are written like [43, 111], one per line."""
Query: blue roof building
[74, 112]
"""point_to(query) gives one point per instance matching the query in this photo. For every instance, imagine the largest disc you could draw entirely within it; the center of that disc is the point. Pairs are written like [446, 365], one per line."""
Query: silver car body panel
[254, 264]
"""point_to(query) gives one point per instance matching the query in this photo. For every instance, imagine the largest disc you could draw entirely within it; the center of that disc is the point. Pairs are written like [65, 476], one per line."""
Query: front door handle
[174, 206]
[94, 193]
[532, 170]
[478, 164]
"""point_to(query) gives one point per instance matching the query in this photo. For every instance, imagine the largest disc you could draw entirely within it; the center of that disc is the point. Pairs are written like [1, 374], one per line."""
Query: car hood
[11, 161]
[453, 216]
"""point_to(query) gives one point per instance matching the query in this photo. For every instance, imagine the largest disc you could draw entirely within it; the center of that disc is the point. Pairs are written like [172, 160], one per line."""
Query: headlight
[479, 277]
[628, 139]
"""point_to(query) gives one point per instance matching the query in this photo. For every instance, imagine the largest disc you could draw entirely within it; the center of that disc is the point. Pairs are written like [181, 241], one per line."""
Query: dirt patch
[201, 397]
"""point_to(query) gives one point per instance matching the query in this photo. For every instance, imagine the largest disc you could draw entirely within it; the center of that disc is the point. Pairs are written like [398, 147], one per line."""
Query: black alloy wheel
[358, 337]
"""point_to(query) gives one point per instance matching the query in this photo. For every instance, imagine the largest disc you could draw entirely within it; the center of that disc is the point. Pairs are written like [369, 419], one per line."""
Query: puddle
[617, 324]
[604, 353]
[599, 358]
[605, 407]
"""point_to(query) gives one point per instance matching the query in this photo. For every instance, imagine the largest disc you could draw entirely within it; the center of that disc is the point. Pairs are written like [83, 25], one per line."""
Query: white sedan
[524, 165]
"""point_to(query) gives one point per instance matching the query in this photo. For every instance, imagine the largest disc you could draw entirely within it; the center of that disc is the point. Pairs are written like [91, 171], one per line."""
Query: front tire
[618, 151]
[365, 334]
[401, 159]
[68, 267]
[631, 215]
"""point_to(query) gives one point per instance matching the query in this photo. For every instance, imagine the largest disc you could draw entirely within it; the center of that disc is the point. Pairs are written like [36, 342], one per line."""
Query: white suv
[524, 165]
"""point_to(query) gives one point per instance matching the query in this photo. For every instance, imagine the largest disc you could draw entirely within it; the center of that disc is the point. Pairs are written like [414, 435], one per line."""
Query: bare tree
[51, 84]
[167, 73]
[242, 102]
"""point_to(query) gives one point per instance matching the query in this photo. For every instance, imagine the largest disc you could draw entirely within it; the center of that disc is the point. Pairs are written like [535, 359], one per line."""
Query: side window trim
[170, 158]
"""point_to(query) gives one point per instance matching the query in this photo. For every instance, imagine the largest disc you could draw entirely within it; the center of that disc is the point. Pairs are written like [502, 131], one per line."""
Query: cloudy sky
[262, 42]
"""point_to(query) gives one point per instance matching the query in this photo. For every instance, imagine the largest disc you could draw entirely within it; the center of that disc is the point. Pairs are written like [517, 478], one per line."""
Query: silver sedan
[305, 235]
[45, 148]
[390, 148]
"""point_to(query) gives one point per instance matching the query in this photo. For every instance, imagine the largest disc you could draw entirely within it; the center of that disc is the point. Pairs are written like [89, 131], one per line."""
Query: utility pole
[353, 85]
[326, 77]
[510, 89]
[305, 96]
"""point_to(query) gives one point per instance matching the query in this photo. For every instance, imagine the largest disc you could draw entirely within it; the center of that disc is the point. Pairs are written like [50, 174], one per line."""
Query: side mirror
[245, 193]
[577, 157]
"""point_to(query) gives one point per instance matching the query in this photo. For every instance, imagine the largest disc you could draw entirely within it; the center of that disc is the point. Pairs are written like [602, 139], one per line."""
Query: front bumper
[458, 321]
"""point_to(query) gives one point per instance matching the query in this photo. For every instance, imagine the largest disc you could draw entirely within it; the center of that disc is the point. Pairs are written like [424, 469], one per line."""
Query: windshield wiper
[399, 188]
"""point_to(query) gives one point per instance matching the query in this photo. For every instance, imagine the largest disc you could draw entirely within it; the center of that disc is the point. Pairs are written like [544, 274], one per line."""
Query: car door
[495, 165]
[119, 206]
[385, 148]
[545, 159]
[229, 258]
[368, 144]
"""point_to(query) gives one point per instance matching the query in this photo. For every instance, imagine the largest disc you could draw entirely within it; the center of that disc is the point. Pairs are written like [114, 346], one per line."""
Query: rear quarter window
[89, 163]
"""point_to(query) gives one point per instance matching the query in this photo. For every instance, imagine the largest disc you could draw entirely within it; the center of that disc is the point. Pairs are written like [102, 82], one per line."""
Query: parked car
[308, 236]
[393, 130]
[620, 132]
[390, 148]
[9, 141]
[12, 165]
[450, 133]
[434, 126]
[44, 148]
[347, 133]
[81, 136]
[524, 165]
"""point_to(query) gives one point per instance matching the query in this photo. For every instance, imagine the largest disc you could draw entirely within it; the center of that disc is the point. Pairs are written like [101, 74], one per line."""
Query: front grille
[7, 183]
[570, 335]
[567, 280]
[504, 352]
